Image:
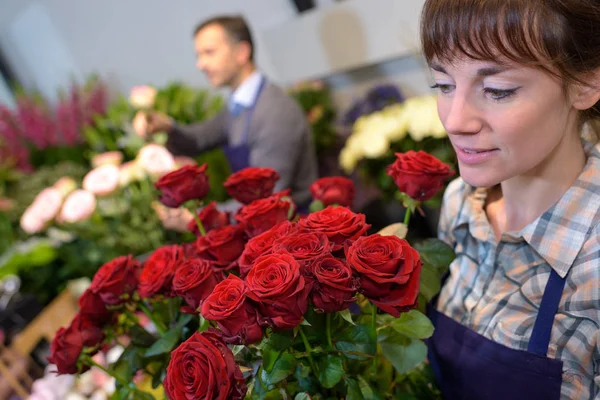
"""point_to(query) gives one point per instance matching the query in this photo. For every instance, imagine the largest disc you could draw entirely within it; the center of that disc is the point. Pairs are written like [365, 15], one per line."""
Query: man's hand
[158, 122]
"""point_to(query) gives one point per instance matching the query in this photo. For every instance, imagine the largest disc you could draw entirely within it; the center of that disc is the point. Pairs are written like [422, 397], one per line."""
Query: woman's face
[503, 119]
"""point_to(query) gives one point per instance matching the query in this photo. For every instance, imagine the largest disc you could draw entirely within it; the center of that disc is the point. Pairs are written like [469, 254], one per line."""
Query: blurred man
[261, 125]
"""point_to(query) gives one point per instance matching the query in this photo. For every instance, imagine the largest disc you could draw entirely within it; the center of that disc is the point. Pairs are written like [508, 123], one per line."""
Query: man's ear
[585, 96]
[243, 52]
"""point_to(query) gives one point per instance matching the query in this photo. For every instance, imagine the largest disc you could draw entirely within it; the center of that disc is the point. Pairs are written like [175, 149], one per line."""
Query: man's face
[217, 56]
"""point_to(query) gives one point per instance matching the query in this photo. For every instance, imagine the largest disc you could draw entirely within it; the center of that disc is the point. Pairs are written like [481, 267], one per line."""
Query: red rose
[304, 246]
[338, 223]
[65, 350]
[263, 214]
[236, 317]
[186, 183]
[251, 184]
[90, 332]
[159, 270]
[203, 367]
[333, 190]
[68, 343]
[418, 174]
[210, 217]
[281, 292]
[115, 279]
[389, 270]
[263, 244]
[194, 280]
[222, 246]
[335, 287]
[92, 306]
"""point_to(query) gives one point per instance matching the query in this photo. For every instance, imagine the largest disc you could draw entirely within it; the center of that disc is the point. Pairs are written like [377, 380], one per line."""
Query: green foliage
[315, 100]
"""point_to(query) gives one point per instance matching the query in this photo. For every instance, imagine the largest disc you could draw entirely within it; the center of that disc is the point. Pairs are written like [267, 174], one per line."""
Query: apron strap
[540, 337]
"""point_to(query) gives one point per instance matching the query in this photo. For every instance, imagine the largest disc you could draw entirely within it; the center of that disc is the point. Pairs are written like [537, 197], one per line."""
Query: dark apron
[239, 156]
[471, 367]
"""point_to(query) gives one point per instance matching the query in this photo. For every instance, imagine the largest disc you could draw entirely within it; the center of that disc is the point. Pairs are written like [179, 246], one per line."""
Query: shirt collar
[558, 234]
[246, 93]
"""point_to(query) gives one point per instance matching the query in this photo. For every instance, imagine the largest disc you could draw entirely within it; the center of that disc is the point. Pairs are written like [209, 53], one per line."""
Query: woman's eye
[500, 94]
[443, 88]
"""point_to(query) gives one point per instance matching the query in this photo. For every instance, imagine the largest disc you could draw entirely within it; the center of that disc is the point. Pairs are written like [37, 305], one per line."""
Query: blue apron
[469, 366]
[239, 156]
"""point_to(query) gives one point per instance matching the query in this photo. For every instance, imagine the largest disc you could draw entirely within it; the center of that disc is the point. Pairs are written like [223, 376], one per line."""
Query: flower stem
[308, 349]
[374, 325]
[328, 329]
[407, 216]
[159, 326]
[198, 221]
[90, 361]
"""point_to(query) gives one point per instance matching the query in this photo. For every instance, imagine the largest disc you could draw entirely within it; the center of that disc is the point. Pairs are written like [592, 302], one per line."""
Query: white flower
[424, 119]
[103, 180]
[142, 96]
[156, 160]
[31, 222]
[375, 146]
[79, 206]
[65, 185]
[47, 203]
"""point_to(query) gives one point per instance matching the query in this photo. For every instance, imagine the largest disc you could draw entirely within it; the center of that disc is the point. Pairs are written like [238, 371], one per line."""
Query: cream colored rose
[110, 157]
[182, 161]
[31, 222]
[156, 160]
[140, 124]
[65, 185]
[142, 96]
[424, 120]
[79, 206]
[129, 172]
[102, 181]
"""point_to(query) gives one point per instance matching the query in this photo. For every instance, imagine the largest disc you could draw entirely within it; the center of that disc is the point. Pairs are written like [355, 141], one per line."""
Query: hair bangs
[491, 30]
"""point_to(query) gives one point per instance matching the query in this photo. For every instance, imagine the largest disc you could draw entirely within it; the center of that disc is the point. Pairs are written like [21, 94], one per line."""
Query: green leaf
[140, 336]
[302, 396]
[283, 367]
[139, 395]
[404, 353]
[367, 391]
[430, 282]
[273, 346]
[359, 339]
[414, 325]
[347, 316]
[165, 344]
[307, 382]
[354, 392]
[330, 370]
[315, 206]
[128, 363]
[437, 253]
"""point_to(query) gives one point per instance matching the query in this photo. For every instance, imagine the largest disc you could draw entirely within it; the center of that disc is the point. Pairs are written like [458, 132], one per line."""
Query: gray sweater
[279, 137]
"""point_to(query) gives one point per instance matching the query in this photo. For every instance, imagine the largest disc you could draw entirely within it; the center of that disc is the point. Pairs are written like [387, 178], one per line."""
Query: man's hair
[236, 28]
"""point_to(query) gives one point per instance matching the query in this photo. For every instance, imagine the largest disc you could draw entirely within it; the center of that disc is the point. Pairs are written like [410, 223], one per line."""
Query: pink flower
[47, 204]
[156, 160]
[79, 206]
[140, 124]
[31, 222]
[103, 180]
[142, 96]
[110, 157]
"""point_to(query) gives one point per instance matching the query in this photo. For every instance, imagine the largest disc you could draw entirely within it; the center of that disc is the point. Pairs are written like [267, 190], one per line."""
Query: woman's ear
[586, 95]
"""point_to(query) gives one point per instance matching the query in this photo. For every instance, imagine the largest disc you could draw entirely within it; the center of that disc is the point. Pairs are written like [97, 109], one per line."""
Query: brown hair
[561, 37]
[235, 26]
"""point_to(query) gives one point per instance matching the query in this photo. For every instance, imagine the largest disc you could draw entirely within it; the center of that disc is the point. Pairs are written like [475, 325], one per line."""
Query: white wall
[132, 42]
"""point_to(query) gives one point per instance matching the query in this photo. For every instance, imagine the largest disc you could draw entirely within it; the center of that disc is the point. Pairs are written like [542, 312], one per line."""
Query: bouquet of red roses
[271, 305]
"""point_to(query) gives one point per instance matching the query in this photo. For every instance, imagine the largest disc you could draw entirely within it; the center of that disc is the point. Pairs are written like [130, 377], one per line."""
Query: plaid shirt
[495, 287]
